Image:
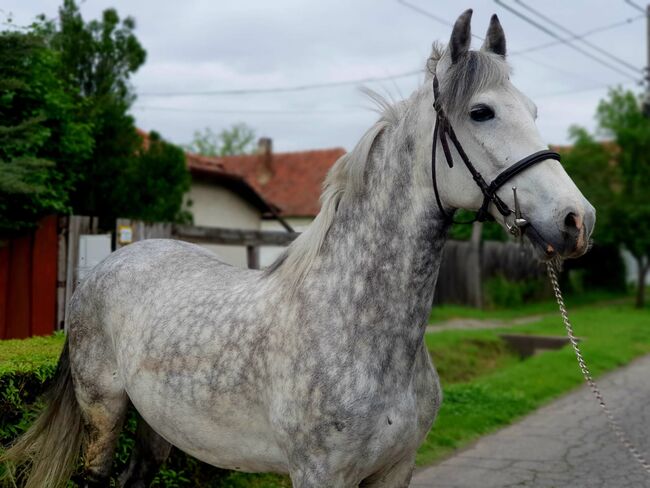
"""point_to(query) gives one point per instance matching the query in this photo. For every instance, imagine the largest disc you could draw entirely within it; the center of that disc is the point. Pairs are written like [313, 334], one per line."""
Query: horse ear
[461, 36]
[495, 40]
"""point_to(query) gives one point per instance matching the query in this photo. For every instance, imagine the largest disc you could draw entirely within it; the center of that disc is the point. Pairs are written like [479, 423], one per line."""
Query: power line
[588, 33]
[564, 41]
[351, 110]
[239, 111]
[593, 46]
[440, 20]
[634, 5]
[579, 90]
[281, 89]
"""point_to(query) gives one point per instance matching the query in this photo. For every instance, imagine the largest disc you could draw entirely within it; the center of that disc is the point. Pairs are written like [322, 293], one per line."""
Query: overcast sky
[204, 45]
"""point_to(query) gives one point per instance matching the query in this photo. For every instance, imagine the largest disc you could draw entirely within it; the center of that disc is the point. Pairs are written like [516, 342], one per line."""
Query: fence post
[253, 257]
[474, 274]
[61, 271]
[77, 225]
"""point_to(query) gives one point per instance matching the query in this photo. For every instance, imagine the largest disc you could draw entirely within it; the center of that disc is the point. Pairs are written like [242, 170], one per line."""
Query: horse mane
[345, 178]
[474, 72]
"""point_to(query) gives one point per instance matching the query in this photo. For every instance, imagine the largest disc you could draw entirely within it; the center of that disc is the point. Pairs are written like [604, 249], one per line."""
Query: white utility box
[93, 249]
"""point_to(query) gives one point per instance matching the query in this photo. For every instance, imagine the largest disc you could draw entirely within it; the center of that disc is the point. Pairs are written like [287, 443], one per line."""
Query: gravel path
[463, 324]
[565, 444]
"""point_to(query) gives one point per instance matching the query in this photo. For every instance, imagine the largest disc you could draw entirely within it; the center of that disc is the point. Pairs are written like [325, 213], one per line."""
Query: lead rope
[611, 420]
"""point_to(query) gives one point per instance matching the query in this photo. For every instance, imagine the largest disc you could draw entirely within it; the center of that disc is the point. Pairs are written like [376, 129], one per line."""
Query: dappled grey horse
[316, 366]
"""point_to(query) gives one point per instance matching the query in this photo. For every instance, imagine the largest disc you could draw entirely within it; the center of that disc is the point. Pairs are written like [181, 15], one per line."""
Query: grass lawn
[502, 388]
[441, 313]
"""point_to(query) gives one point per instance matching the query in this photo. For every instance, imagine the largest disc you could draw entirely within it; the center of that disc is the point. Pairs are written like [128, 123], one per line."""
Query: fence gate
[28, 282]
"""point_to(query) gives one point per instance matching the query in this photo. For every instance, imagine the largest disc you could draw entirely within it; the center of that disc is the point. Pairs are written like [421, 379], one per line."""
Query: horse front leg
[318, 474]
[396, 476]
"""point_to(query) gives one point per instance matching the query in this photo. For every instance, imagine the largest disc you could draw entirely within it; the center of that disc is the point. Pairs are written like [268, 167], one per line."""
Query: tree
[43, 139]
[622, 117]
[619, 190]
[97, 59]
[593, 167]
[153, 184]
[238, 139]
[119, 178]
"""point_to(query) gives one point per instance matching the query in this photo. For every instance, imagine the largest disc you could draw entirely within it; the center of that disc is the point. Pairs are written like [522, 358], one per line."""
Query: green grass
[441, 313]
[614, 335]
[463, 357]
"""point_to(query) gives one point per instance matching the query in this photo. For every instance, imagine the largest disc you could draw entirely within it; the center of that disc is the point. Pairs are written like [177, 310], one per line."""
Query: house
[219, 198]
[289, 181]
[261, 191]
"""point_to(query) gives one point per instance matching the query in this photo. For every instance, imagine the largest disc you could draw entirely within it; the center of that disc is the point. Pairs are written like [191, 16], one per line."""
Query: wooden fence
[251, 239]
[39, 272]
[465, 267]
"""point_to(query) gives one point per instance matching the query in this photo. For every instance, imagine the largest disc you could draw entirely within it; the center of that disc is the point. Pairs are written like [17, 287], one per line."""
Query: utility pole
[646, 103]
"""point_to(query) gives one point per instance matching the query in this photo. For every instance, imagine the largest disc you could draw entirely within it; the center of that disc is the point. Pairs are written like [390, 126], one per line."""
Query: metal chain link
[611, 420]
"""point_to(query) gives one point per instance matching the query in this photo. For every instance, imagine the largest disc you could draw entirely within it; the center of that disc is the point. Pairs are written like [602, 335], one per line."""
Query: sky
[199, 46]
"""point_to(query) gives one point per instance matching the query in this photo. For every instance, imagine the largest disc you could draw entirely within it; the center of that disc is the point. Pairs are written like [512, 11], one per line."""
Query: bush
[501, 292]
[26, 368]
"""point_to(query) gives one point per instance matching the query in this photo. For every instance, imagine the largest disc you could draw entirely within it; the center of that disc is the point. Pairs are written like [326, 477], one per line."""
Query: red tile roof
[290, 181]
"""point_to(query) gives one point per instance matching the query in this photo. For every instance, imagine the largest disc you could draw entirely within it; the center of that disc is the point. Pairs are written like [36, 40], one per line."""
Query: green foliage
[25, 367]
[591, 165]
[97, 60]
[43, 138]
[490, 231]
[238, 139]
[618, 181]
[67, 142]
[501, 292]
[152, 183]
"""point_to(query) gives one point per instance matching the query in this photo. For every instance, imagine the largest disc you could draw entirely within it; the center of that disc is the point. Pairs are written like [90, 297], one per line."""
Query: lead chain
[613, 422]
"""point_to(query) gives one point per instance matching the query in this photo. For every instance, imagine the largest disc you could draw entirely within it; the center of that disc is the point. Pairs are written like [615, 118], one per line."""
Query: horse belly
[227, 433]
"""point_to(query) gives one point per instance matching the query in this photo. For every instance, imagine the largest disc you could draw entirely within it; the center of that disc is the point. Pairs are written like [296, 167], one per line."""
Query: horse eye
[481, 113]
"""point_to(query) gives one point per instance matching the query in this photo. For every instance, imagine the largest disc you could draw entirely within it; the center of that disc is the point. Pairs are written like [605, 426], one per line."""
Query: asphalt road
[565, 444]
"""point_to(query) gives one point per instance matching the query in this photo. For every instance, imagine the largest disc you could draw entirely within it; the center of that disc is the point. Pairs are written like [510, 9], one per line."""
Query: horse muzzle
[567, 237]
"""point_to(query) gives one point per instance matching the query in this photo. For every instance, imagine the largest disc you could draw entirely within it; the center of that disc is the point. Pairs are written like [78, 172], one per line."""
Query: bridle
[444, 130]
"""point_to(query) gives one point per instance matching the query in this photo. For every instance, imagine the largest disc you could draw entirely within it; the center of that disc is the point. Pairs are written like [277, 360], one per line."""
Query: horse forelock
[474, 72]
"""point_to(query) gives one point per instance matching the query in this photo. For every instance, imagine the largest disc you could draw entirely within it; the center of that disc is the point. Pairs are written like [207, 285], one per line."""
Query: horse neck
[382, 253]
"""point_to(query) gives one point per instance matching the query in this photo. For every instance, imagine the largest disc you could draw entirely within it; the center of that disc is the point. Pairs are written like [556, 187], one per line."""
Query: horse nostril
[571, 221]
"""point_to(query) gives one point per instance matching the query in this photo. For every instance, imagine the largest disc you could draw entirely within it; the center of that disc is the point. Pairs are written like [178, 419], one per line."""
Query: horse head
[482, 114]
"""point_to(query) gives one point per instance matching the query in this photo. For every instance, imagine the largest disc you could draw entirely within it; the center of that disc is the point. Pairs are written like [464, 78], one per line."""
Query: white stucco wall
[217, 206]
[631, 268]
[268, 254]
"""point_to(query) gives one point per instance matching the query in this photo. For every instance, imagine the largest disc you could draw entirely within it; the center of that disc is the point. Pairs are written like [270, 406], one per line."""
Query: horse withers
[316, 366]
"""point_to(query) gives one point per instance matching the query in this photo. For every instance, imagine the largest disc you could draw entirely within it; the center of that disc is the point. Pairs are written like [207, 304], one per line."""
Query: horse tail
[47, 454]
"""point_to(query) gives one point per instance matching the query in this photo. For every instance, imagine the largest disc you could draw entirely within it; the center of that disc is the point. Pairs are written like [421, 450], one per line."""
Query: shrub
[501, 292]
